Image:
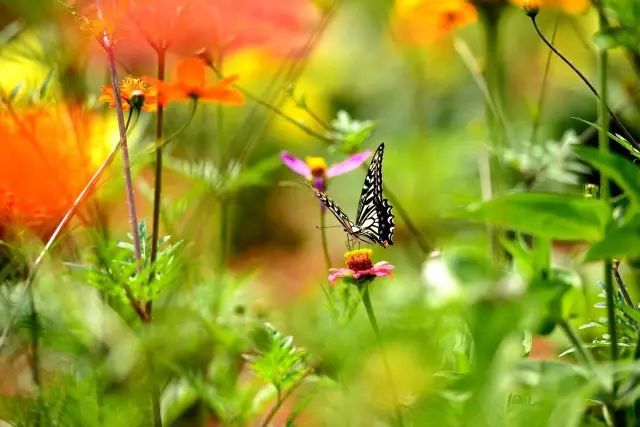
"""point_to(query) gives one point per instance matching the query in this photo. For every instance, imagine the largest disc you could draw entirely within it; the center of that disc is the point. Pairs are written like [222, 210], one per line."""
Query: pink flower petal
[338, 273]
[297, 165]
[348, 165]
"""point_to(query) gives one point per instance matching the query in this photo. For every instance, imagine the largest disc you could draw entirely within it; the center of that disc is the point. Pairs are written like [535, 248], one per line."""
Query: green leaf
[620, 241]
[624, 172]
[555, 216]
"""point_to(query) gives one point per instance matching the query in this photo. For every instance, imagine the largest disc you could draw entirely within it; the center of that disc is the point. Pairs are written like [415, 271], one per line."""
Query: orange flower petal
[222, 94]
[191, 72]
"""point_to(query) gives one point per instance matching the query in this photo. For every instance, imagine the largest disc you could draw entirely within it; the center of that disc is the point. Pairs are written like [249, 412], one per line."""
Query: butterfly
[374, 220]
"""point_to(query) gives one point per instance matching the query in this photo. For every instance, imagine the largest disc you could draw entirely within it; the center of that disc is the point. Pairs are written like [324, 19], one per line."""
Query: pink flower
[315, 168]
[360, 267]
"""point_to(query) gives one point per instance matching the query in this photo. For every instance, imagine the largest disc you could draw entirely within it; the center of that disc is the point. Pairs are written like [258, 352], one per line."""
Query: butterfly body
[374, 221]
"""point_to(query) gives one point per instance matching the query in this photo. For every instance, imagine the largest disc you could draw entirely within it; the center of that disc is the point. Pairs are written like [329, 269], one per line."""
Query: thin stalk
[495, 81]
[35, 339]
[126, 164]
[577, 343]
[623, 288]
[535, 123]
[605, 194]
[157, 192]
[586, 81]
[282, 397]
[619, 416]
[323, 234]
[366, 301]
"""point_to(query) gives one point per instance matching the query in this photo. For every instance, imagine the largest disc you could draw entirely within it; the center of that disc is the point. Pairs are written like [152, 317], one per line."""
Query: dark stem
[366, 301]
[35, 353]
[593, 90]
[157, 191]
[126, 164]
[623, 288]
[535, 125]
[424, 246]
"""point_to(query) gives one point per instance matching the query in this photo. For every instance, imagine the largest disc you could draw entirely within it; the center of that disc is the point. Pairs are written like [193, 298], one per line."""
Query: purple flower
[360, 267]
[315, 168]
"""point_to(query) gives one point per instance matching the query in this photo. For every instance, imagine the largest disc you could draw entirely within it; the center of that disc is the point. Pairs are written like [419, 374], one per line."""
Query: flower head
[428, 21]
[190, 83]
[315, 169]
[360, 267]
[135, 93]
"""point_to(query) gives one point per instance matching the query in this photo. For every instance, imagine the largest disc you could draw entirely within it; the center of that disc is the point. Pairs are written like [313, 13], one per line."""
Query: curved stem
[586, 81]
[366, 301]
[535, 123]
[323, 231]
[178, 132]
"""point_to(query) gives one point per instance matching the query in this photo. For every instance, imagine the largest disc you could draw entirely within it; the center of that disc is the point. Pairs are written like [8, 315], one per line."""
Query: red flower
[190, 83]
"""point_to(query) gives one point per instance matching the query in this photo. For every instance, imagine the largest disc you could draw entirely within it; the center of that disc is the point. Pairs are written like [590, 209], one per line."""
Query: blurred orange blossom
[191, 83]
[568, 6]
[49, 154]
[190, 26]
[425, 22]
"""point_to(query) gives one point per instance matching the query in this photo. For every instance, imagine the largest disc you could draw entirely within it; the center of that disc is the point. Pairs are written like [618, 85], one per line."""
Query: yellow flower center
[359, 259]
[318, 165]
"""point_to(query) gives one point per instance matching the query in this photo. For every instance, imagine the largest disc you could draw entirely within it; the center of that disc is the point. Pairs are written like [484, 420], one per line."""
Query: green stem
[605, 194]
[494, 78]
[619, 416]
[582, 351]
[323, 233]
[366, 301]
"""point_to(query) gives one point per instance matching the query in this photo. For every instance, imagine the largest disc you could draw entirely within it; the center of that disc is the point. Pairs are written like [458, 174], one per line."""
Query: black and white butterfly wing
[334, 208]
[374, 218]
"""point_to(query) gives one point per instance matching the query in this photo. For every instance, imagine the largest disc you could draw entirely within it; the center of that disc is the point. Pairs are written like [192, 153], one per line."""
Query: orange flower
[568, 6]
[49, 154]
[189, 26]
[428, 21]
[135, 93]
[190, 83]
